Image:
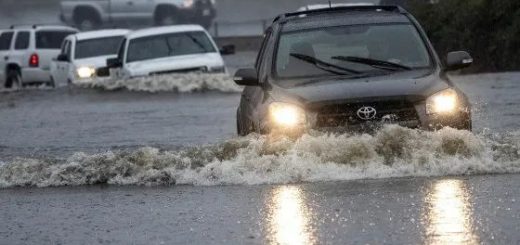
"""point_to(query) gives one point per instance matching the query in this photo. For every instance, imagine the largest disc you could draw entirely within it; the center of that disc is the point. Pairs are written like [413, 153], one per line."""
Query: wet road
[41, 123]
[53, 124]
[469, 210]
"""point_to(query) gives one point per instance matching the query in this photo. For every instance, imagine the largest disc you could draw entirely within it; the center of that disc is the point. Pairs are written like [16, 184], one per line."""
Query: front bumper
[459, 119]
[35, 75]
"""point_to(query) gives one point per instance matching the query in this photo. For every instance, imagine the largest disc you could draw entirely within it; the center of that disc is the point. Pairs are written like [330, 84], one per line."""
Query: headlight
[443, 102]
[86, 72]
[286, 115]
[188, 3]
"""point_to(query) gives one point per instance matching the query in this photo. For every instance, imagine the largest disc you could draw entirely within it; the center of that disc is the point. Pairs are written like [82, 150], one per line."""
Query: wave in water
[392, 152]
[183, 83]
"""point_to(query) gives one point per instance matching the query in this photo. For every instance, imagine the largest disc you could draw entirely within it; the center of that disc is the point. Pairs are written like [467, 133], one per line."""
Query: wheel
[87, 19]
[166, 17]
[52, 83]
[13, 80]
[206, 23]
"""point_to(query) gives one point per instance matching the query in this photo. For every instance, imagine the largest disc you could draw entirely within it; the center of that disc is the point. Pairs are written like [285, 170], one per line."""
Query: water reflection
[449, 214]
[289, 217]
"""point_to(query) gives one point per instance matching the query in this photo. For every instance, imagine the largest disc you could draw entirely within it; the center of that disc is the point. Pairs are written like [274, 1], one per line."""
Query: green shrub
[488, 29]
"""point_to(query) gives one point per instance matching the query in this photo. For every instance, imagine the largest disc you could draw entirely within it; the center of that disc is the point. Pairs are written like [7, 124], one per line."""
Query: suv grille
[340, 115]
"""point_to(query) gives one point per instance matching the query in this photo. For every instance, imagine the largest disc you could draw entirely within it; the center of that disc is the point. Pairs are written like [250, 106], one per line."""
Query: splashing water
[183, 83]
[391, 152]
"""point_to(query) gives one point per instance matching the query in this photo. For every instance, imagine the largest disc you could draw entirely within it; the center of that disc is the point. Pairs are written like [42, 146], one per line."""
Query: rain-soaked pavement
[332, 205]
[466, 210]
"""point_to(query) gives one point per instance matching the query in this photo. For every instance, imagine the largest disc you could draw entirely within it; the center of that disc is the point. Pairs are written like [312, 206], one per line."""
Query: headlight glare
[188, 3]
[286, 115]
[86, 72]
[443, 102]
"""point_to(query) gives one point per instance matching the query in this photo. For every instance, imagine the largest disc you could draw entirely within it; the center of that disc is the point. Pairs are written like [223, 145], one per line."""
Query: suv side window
[22, 40]
[5, 40]
[260, 56]
[51, 39]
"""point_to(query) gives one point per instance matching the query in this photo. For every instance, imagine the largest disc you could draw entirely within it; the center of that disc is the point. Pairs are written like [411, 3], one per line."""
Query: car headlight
[443, 102]
[188, 3]
[86, 72]
[286, 115]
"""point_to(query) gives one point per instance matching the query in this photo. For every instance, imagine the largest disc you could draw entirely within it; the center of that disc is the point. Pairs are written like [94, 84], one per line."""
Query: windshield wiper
[380, 64]
[352, 77]
[197, 42]
[324, 65]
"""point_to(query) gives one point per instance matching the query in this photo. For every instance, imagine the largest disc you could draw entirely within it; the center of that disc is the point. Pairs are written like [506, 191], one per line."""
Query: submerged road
[53, 124]
[468, 210]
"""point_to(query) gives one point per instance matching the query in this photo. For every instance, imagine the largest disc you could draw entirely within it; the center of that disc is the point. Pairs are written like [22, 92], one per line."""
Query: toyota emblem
[367, 113]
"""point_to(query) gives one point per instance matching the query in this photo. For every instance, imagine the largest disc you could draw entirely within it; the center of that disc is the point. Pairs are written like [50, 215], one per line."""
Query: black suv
[350, 68]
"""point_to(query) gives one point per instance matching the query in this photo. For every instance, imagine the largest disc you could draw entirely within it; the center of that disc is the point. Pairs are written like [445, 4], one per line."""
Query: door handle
[6, 58]
[130, 3]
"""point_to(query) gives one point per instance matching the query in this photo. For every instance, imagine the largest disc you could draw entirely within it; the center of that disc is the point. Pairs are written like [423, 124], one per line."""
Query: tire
[13, 79]
[166, 17]
[87, 19]
[52, 83]
[206, 23]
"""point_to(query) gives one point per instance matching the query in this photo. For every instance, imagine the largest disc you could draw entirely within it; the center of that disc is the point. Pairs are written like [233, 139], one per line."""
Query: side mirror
[458, 60]
[228, 49]
[103, 72]
[114, 63]
[62, 58]
[246, 77]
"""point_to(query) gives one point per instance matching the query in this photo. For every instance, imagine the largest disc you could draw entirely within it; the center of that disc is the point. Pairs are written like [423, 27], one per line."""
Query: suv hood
[95, 62]
[412, 86]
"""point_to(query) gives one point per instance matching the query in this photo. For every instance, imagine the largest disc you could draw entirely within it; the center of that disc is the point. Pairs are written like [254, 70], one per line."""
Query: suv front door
[131, 9]
[60, 75]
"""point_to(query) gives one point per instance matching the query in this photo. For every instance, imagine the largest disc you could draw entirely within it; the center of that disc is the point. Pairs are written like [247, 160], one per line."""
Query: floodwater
[159, 163]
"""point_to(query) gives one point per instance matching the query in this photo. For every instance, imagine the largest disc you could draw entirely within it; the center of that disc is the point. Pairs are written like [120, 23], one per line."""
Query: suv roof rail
[339, 9]
[34, 26]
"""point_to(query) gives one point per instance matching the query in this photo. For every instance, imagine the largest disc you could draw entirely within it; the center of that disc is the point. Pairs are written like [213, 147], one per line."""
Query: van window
[22, 40]
[5, 40]
[51, 39]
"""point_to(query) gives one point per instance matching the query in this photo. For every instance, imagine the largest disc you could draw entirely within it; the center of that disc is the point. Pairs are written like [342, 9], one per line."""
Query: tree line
[488, 29]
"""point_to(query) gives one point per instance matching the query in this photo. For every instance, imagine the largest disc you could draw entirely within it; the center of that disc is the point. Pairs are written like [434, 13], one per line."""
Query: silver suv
[26, 53]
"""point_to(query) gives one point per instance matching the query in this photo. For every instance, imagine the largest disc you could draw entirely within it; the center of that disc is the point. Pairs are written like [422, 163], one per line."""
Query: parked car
[164, 50]
[26, 53]
[92, 14]
[350, 68]
[81, 54]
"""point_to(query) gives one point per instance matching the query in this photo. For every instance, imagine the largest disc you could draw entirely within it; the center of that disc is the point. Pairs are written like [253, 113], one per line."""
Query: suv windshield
[174, 44]
[97, 47]
[51, 39]
[355, 50]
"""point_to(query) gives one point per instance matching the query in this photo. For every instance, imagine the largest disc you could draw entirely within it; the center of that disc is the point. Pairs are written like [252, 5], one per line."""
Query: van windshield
[168, 45]
[97, 47]
[356, 49]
